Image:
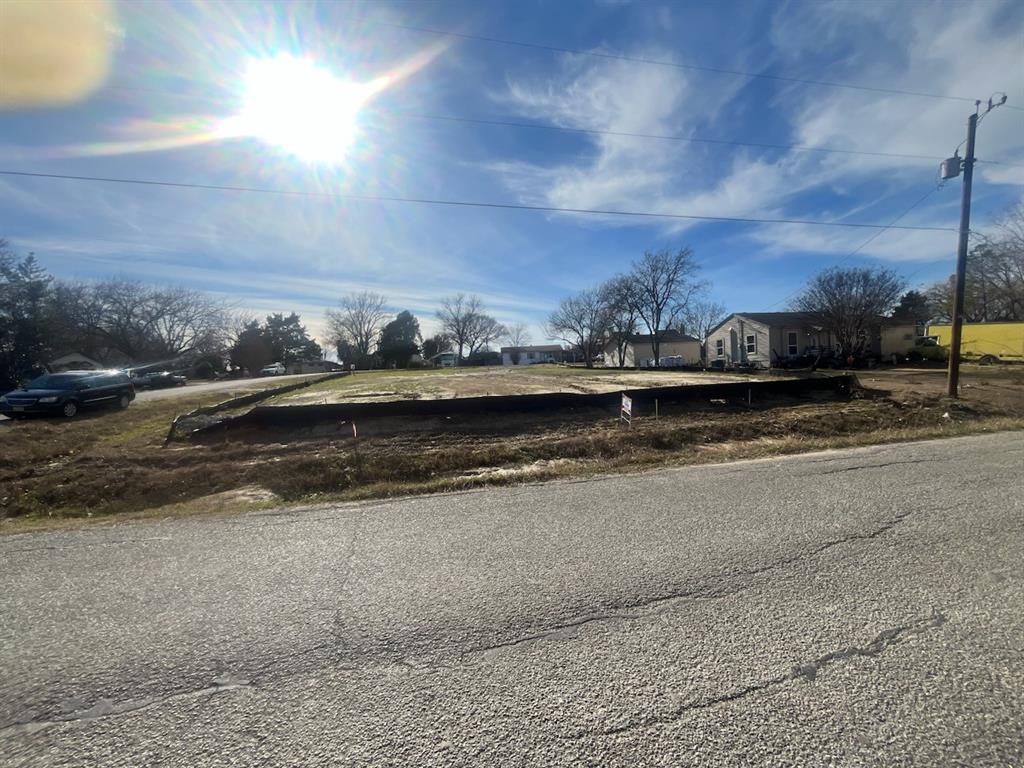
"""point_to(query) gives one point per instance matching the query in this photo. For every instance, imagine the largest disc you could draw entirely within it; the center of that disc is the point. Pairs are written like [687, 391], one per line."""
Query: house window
[720, 347]
[791, 343]
[751, 343]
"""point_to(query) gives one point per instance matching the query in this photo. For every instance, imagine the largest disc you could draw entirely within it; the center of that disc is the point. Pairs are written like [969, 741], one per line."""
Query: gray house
[762, 339]
[543, 353]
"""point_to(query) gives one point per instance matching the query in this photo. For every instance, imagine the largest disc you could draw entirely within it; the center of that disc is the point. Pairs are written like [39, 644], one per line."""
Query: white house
[636, 351]
[762, 339]
[543, 353]
[766, 339]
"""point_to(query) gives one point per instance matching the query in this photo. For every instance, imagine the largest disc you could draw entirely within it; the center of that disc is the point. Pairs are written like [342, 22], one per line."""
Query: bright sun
[301, 108]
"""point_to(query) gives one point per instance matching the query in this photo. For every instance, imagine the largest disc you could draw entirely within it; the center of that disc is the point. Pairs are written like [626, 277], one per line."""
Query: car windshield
[56, 381]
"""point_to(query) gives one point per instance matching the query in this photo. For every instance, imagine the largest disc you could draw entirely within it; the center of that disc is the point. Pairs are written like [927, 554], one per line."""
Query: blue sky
[177, 67]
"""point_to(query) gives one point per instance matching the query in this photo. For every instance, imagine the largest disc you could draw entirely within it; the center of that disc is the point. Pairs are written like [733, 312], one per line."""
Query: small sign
[627, 405]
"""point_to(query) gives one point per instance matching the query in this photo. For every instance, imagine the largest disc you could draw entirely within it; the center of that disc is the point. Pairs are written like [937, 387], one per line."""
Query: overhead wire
[463, 203]
[875, 236]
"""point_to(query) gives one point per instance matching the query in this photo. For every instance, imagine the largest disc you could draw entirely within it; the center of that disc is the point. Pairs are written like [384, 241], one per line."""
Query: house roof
[775, 318]
[537, 348]
[766, 318]
[790, 319]
[667, 336]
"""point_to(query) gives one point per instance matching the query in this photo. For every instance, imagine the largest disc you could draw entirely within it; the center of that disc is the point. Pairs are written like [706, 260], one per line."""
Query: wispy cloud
[664, 176]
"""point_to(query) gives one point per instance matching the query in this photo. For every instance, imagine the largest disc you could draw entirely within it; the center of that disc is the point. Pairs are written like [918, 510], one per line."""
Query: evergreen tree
[25, 290]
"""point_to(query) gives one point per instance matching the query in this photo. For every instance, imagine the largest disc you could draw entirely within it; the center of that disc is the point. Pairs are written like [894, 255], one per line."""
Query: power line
[662, 137]
[871, 239]
[628, 134]
[465, 203]
[672, 64]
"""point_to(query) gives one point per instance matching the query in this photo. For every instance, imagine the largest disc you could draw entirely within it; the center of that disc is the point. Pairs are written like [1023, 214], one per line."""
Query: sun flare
[301, 108]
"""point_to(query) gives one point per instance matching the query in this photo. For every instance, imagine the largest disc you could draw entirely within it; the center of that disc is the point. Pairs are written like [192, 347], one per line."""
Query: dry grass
[113, 464]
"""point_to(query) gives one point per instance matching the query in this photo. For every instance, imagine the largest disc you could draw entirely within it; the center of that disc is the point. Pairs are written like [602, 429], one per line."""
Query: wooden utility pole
[953, 379]
[951, 169]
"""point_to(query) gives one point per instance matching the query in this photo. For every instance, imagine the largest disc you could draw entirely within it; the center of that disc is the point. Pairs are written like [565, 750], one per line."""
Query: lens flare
[302, 108]
[289, 102]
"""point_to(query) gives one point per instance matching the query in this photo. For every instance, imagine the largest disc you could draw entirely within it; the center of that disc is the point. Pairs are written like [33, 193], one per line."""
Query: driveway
[264, 382]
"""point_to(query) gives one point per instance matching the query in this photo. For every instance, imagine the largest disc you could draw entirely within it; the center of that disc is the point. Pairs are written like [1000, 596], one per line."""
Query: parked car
[275, 369]
[162, 379]
[67, 393]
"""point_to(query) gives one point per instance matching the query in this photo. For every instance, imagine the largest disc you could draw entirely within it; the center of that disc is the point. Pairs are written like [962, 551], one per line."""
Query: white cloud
[921, 50]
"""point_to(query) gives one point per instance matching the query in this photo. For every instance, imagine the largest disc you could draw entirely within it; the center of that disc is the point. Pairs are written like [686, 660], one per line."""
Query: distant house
[443, 360]
[74, 361]
[767, 339]
[544, 353]
[677, 349]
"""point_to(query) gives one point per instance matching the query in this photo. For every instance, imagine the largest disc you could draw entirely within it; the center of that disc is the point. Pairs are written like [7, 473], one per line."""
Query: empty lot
[115, 463]
[434, 384]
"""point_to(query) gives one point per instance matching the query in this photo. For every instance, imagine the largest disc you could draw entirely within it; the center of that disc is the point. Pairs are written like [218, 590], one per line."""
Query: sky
[168, 81]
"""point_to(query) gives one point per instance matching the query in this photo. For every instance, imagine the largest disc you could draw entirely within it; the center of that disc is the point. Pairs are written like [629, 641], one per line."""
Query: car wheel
[70, 409]
[988, 360]
[123, 401]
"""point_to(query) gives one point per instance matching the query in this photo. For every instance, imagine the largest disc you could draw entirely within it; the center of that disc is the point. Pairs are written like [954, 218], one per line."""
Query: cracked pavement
[851, 608]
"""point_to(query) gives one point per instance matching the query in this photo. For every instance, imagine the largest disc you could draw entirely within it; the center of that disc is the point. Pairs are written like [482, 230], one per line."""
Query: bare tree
[994, 289]
[125, 320]
[665, 284]
[458, 316]
[849, 302]
[582, 321]
[623, 300]
[358, 321]
[517, 336]
[483, 331]
[183, 319]
[700, 317]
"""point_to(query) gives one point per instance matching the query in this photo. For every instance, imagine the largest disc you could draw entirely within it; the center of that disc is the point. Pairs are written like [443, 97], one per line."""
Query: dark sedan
[158, 380]
[67, 393]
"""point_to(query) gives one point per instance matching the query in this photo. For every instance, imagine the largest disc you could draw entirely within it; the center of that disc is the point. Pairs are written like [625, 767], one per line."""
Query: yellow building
[985, 342]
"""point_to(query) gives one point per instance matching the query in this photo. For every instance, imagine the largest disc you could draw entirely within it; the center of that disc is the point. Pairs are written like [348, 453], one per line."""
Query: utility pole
[950, 169]
[953, 378]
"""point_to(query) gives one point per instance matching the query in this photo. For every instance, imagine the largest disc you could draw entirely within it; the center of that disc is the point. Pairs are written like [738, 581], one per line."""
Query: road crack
[807, 671]
[108, 708]
[636, 610]
[883, 465]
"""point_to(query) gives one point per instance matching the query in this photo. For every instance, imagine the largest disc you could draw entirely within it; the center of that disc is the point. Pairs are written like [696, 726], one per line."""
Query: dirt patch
[246, 497]
[375, 386]
[115, 464]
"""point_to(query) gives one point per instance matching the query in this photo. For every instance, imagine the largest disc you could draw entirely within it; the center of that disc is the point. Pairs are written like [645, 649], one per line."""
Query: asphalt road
[264, 382]
[854, 608]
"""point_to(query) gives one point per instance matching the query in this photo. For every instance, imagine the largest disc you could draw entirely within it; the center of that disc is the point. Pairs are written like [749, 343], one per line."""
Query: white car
[276, 369]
